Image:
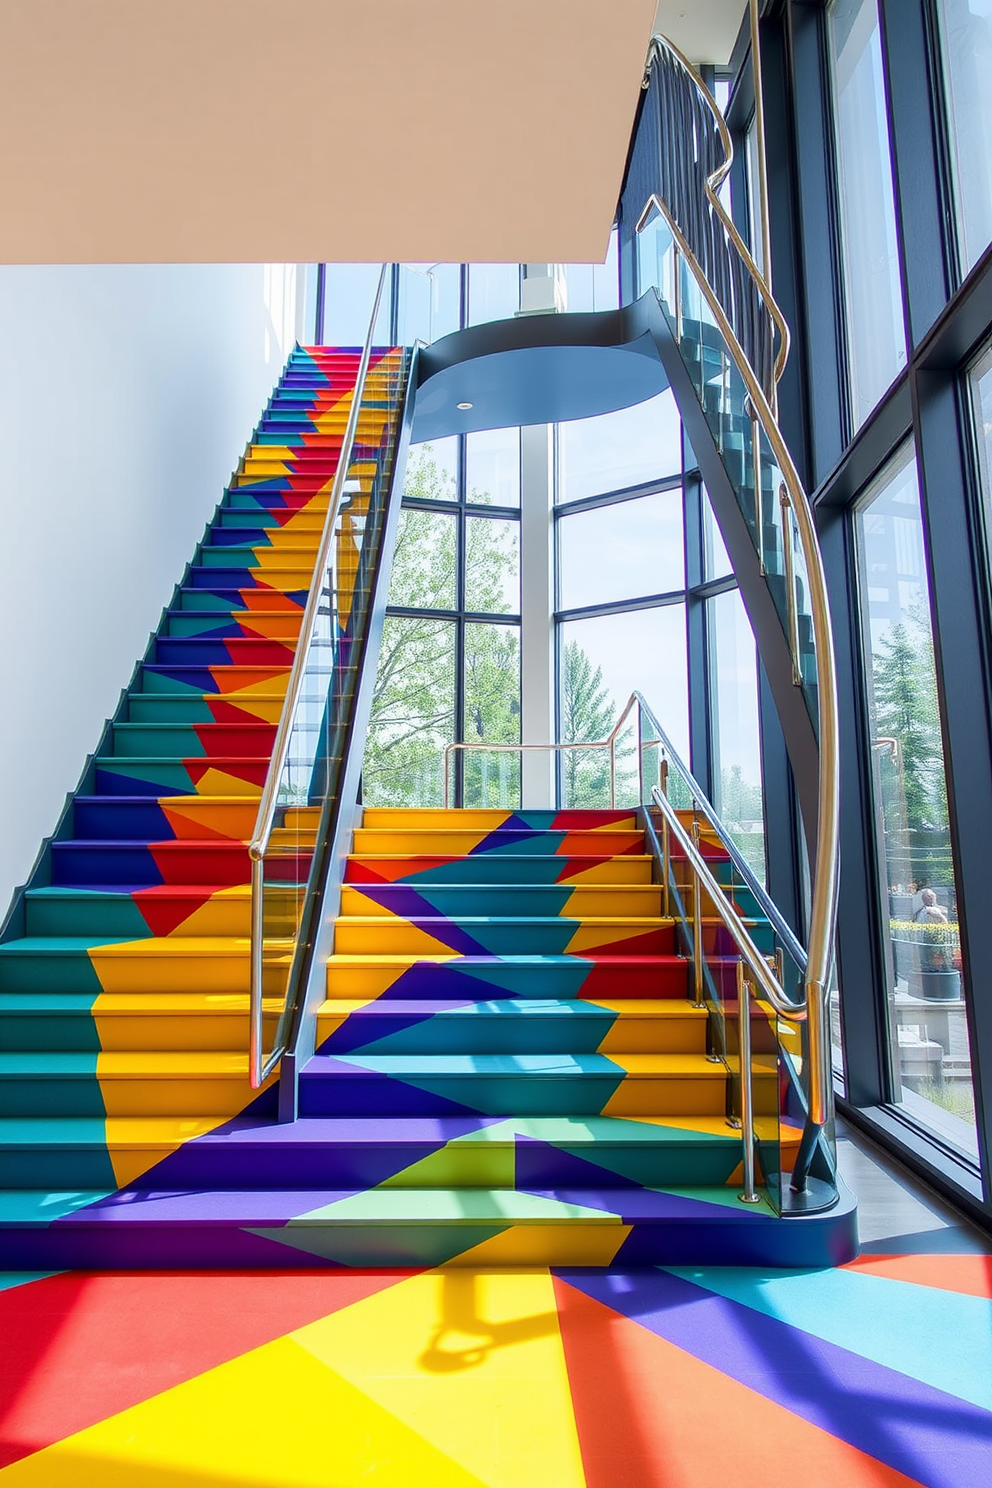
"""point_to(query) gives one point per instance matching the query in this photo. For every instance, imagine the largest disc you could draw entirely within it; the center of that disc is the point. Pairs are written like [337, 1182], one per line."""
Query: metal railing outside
[319, 599]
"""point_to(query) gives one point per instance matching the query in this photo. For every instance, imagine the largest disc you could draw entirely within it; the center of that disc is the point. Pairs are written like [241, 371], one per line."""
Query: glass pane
[432, 471]
[492, 467]
[928, 1027]
[873, 290]
[623, 551]
[755, 241]
[715, 557]
[413, 713]
[492, 712]
[429, 301]
[349, 290]
[492, 566]
[594, 286]
[616, 450]
[735, 729]
[981, 397]
[966, 47]
[423, 573]
[493, 292]
[601, 662]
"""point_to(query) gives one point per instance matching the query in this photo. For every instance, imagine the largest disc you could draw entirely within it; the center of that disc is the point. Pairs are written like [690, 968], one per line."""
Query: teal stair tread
[59, 945]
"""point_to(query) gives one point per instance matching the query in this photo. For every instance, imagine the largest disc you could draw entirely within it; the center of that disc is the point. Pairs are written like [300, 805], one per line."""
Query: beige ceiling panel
[704, 29]
[301, 130]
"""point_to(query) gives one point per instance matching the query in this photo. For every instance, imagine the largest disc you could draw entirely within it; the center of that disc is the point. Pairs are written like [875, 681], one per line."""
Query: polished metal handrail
[259, 1068]
[658, 46]
[824, 889]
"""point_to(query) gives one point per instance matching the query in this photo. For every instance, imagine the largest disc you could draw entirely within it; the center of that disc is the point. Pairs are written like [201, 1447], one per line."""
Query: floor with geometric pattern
[871, 1375]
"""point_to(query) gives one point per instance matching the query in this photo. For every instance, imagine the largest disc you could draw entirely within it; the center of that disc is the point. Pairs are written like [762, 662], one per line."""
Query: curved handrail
[259, 1068]
[656, 47]
[769, 908]
[775, 994]
[824, 890]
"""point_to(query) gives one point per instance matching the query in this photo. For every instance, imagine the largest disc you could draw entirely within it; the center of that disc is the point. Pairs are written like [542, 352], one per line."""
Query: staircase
[124, 967]
[508, 1072]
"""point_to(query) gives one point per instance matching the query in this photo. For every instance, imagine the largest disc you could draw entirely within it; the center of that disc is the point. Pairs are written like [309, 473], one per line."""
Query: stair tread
[549, 1065]
[335, 1208]
[513, 1007]
[140, 1064]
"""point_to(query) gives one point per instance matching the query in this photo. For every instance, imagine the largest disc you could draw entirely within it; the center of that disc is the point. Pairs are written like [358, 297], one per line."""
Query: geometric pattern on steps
[468, 1105]
[124, 1008]
[512, 1379]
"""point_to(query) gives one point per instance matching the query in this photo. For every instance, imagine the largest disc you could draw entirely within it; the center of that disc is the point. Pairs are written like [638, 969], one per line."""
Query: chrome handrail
[259, 1068]
[713, 183]
[824, 889]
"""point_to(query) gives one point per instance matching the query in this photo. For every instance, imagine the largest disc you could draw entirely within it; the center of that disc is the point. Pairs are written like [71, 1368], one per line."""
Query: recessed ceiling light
[464, 406]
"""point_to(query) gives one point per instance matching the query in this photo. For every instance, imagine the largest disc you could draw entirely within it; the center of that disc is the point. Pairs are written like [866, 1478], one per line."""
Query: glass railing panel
[311, 774]
[745, 452]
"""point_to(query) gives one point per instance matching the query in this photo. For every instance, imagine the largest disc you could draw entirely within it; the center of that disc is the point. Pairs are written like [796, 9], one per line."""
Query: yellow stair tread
[163, 1004]
[143, 1064]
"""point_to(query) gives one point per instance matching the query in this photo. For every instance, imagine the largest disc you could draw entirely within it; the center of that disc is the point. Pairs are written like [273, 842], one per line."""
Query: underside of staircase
[510, 1068]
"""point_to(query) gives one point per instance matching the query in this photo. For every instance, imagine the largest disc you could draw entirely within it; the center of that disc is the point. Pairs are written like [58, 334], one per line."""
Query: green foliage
[413, 705]
[588, 713]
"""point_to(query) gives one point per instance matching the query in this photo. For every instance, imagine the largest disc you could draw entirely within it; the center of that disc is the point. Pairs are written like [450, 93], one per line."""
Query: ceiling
[704, 29]
[302, 130]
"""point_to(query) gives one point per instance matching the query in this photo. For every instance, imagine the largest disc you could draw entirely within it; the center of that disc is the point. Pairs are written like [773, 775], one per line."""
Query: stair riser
[513, 938]
[79, 864]
[119, 916]
[663, 979]
[153, 777]
[497, 868]
[198, 680]
[232, 651]
[211, 1164]
[137, 820]
[202, 741]
[723, 1240]
[142, 1033]
[504, 900]
[457, 843]
[501, 1095]
[525, 1034]
[41, 1096]
[196, 709]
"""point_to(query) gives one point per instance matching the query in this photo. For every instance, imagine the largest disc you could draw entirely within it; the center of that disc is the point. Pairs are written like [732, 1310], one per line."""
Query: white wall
[127, 394]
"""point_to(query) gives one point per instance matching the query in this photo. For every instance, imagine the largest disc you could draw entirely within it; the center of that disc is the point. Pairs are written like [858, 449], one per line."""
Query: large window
[931, 1061]
[615, 450]
[966, 48]
[876, 336]
[736, 737]
[449, 667]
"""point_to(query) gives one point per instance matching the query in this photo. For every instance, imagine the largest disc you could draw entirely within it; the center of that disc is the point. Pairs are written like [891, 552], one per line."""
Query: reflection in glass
[429, 300]
[492, 467]
[432, 471]
[616, 450]
[736, 737]
[716, 559]
[628, 549]
[931, 1057]
[873, 290]
[413, 713]
[966, 51]
[423, 572]
[594, 286]
[492, 566]
[493, 292]
[492, 712]
[601, 661]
